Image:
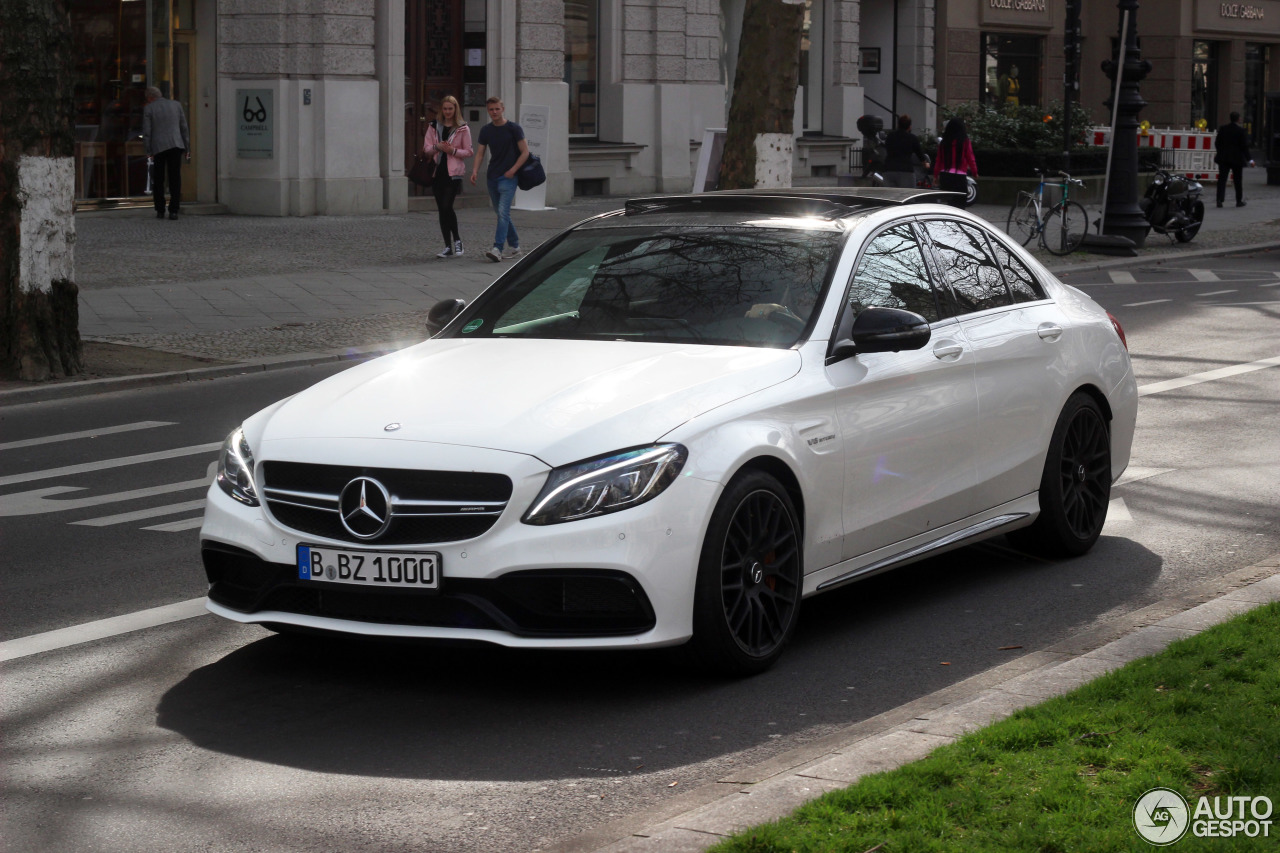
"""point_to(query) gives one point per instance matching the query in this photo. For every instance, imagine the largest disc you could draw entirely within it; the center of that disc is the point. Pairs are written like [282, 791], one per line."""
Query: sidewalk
[240, 288]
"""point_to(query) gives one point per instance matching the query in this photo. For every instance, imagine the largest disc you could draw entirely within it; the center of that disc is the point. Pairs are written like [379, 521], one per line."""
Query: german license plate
[419, 570]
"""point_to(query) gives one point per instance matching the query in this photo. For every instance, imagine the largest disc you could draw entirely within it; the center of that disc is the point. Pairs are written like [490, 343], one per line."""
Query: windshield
[739, 286]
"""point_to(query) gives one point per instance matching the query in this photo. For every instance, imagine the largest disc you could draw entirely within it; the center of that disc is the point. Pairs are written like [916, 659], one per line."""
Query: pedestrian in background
[166, 139]
[1232, 145]
[955, 161]
[508, 152]
[902, 152]
[449, 139]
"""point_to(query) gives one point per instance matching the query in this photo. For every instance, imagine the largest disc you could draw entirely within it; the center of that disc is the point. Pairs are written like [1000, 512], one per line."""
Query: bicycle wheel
[1022, 222]
[1065, 227]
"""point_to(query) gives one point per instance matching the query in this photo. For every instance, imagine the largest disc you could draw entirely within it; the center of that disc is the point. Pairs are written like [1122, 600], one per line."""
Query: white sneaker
[447, 253]
[457, 247]
[493, 255]
[513, 252]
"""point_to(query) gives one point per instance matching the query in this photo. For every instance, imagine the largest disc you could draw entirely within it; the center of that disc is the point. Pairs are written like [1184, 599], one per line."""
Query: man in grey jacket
[167, 139]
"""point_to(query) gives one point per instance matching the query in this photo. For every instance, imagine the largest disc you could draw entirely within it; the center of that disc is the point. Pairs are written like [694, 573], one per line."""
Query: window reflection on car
[724, 286]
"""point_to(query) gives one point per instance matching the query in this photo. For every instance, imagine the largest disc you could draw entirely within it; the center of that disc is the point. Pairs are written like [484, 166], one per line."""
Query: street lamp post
[1122, 216]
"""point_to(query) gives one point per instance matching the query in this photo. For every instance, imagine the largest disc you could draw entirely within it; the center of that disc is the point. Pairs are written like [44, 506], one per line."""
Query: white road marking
[178, 526]
[1272, 284]
[1216, 292]
[1133, 474]
[1117, 513]
[1122, 277]
[1152, 302]
[109, 463]
[101, 629]
[1207, 376]
[36, 502]
[1204, 275]
[138, 515]
[88, 433]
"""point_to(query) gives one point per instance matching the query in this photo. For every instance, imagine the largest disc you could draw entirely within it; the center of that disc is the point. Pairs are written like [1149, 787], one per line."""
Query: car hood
[559, 401]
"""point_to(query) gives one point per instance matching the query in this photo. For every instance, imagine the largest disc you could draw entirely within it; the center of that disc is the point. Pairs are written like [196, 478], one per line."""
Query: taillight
[1115, 324]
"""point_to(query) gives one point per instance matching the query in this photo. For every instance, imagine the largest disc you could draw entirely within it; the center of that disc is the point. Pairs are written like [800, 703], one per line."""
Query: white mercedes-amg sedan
[672, 423]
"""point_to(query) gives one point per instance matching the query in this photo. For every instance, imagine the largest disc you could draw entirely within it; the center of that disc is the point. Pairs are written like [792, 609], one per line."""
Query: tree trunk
[39, 304]
[758, 147]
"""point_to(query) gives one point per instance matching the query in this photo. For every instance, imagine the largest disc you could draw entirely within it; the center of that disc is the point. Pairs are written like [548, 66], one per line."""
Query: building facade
[302, 107]
[1209, 58]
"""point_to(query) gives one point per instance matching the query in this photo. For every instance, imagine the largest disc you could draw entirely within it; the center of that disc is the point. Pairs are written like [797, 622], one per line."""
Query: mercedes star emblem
[365, 508]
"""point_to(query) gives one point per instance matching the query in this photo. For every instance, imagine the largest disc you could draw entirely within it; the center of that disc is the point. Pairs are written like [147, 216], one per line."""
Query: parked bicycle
[1061, 227]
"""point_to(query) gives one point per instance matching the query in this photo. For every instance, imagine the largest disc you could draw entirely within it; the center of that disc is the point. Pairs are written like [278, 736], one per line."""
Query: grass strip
[1201, 718]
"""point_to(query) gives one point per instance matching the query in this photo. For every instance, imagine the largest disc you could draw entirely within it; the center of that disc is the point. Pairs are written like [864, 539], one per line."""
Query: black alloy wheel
[749, 577]
[1075, 488]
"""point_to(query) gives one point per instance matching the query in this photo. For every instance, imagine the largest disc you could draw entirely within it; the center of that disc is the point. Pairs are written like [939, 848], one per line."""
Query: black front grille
[544, 602]
[317, 514]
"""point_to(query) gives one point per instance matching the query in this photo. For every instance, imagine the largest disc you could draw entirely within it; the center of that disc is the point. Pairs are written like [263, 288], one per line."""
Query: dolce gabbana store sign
[1254, 18]
[1034, 14]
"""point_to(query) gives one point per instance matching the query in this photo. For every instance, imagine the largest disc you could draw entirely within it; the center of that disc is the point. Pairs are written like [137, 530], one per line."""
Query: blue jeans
[502, 191]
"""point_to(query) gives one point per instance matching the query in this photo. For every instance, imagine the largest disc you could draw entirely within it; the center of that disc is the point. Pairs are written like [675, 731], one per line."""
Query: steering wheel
[779, 314]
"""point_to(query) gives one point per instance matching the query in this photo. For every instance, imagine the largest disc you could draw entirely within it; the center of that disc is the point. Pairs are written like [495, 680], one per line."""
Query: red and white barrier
[1192, 149]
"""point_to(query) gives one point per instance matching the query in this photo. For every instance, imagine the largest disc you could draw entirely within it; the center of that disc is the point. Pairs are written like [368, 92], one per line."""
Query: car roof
[824, 202]
[803, 207]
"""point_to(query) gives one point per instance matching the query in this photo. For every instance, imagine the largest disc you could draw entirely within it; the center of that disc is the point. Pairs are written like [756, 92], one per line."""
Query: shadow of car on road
[416, 710]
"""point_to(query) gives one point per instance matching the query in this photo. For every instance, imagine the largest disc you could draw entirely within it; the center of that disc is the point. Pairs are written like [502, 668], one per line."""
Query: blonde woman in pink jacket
[449, 138]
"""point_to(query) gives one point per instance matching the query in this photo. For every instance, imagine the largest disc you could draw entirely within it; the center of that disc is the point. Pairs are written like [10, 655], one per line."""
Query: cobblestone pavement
[238, 288]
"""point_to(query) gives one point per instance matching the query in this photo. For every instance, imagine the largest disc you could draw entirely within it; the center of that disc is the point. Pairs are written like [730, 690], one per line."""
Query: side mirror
[880, 330]
[442, 313]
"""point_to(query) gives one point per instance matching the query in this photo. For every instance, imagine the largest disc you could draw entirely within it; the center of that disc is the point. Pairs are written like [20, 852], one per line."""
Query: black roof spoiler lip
[829, 202]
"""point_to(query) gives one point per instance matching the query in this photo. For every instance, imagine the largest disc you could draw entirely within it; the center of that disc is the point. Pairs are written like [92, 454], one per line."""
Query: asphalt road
[202, 734]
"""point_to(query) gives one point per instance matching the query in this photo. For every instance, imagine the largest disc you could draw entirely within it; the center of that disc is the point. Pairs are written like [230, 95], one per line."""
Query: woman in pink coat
[449, 138]
[955, 161]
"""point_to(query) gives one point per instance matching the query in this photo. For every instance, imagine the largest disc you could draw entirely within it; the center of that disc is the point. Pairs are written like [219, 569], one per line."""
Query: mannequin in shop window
[1009, 87]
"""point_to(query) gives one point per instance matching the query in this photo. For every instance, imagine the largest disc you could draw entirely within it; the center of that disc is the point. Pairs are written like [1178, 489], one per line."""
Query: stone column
[330, 153]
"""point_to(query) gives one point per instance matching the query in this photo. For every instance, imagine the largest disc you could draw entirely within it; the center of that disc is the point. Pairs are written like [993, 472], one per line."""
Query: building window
[1204, 83]
[1257, 65]
[1011, 70]
[581, 66]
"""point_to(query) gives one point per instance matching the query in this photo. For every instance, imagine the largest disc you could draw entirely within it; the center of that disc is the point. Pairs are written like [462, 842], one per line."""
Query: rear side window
[965, 262]
[892, 274]
[1021, 282]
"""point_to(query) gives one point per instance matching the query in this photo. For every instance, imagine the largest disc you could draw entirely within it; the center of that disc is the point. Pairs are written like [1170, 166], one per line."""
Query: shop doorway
[432, 68]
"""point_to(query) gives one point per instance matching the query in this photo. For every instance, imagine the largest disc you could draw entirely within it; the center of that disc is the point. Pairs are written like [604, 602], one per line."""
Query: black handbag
[423, 169]
[531, 174]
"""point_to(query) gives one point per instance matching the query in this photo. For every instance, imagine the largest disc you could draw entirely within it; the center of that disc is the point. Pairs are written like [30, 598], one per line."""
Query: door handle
[947, 351]
[1049, 332]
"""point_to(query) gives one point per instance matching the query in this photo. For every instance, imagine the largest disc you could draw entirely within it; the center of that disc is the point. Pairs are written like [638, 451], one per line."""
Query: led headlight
[608, 484]
[235, 469]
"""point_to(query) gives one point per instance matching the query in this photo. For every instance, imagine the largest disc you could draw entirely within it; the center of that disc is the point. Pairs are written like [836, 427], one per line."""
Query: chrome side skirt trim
[942, 542]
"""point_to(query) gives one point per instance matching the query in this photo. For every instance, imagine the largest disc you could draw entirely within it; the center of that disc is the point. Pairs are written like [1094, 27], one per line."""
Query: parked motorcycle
[1172, 205]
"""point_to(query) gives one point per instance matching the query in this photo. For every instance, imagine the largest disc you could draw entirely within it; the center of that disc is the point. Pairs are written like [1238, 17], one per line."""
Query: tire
[1197, 218]
[1075, 487]
[1065, 227]
[748, 589]
[1022, 222]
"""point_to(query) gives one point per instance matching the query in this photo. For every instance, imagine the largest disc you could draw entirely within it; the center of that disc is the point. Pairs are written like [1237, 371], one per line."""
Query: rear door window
[1022, 283]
